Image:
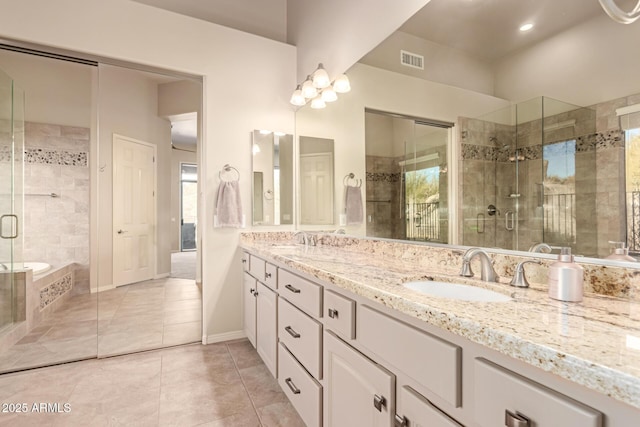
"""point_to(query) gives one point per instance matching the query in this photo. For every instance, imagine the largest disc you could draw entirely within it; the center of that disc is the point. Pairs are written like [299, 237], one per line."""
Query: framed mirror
[273, 177]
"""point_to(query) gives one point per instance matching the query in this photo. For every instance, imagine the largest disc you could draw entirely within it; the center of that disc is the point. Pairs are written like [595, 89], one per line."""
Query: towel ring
[227, 168]
[350, 176]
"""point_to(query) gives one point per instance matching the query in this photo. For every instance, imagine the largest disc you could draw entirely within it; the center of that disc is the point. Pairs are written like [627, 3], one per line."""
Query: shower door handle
[480, 220]
[13, 226]
[509, 220]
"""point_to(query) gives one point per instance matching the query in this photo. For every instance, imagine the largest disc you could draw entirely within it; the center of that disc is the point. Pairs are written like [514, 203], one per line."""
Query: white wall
[231, 108]
[343, 120]
[442, 64]
[179, 98]
[56, 92]
[338, 33]
[593, 62]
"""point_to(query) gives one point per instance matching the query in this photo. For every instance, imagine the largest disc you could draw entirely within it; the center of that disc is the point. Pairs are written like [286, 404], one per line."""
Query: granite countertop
[595, 343]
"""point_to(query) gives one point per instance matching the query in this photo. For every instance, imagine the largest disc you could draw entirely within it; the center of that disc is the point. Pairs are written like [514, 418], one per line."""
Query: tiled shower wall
[56, 230]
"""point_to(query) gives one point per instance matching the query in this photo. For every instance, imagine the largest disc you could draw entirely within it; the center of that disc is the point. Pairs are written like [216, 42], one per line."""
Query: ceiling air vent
[412, 60]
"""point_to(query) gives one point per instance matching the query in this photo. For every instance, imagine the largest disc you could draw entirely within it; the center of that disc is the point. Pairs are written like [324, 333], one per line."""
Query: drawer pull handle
[400, 421]
[333, 313]
[292, 289]
[379, 402]
[292, 386]
[267, 275]
[515, 420]
[244, 261]
[292, 332]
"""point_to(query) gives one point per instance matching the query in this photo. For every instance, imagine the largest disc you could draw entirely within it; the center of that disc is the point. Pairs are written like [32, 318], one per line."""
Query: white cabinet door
[249, 305]
[416, 411]
[266, 333]
[358, 392]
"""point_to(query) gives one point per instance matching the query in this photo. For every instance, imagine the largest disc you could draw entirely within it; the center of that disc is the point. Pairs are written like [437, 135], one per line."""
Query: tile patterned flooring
[142, 316]
[223, 384]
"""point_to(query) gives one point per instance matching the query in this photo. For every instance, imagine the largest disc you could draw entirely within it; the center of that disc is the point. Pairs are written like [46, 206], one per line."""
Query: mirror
[316, 181]
[272, 182]
[491, 75]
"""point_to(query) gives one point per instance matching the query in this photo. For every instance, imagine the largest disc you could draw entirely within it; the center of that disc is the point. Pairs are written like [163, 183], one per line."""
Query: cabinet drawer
[301, 292]
[271, 276]
[498, 390]
[340, 314]
[302, 335]
[415, 410]
[257, 267]
[245, 261]
[434, 363]
[302, 390]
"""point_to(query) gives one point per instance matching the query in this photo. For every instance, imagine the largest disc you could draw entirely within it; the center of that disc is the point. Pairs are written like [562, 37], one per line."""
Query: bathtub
[37, 267]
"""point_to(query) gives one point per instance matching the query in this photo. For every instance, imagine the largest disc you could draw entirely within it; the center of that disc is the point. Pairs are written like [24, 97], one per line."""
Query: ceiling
[489, 29]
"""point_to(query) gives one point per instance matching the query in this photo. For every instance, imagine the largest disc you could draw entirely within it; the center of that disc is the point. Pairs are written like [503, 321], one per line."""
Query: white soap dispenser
[566, 278]
[620, 252]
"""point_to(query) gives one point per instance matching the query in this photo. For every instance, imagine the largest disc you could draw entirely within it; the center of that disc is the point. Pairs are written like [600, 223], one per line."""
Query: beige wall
[231, 108]
[178, 98]
[55, 91]
[442, 64]
[338, 33]
[585, 65]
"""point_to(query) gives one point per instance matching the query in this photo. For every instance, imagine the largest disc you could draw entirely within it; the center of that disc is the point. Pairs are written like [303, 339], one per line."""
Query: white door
[267, 327]
[316, 182]
[133, 210]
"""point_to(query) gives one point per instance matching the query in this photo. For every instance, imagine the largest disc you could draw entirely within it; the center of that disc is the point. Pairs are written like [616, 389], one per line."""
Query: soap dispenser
[620, 252]
[566, 278]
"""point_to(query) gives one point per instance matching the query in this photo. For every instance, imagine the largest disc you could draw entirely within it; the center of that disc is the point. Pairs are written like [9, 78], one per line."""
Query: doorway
[188, 206]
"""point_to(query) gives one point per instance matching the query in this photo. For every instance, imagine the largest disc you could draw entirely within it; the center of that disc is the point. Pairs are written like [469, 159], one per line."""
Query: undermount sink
[456, 291]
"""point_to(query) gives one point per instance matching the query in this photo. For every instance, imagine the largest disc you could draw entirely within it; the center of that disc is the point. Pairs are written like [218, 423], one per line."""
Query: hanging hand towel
[228, 206]
[353, 205]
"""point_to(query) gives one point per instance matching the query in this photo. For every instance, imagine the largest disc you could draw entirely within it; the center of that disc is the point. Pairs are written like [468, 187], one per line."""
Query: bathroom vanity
[351, 346]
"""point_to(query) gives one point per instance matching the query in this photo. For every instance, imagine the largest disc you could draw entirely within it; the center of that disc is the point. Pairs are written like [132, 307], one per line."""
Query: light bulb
[297, 98]
[342, 85]
[321, 78]
[526, 27]
[308, 89]
[329, 95]
[317, 103]
[265, 132]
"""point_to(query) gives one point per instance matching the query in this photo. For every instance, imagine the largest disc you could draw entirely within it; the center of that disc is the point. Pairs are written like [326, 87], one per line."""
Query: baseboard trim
[103, 288]
[227, 336]
[161, 276]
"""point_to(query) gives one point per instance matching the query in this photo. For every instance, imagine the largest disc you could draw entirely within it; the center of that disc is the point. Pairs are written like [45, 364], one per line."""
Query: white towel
[228, 205]
[353, 205]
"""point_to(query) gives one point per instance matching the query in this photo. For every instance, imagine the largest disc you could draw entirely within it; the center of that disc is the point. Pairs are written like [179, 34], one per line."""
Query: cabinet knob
[267, 275]
[292, 386]
[515, 420]
[244, 261]
[251, 291]
[400, 421]
[379, 402]
[333, 313]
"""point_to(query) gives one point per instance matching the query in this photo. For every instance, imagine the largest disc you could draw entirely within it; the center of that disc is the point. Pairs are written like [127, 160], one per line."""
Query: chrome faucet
[542, 248]
[519, 279]
[307, 239]
[488, 274]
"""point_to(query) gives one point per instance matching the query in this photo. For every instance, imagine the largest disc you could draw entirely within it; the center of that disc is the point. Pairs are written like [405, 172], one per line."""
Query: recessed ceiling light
[526, 27]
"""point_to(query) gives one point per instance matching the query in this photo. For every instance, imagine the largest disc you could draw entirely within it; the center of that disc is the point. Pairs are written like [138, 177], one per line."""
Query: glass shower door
[12, 287]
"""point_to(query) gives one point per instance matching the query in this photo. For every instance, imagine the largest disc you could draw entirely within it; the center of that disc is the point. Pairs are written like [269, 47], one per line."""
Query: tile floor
[142, 316]
[223, 384]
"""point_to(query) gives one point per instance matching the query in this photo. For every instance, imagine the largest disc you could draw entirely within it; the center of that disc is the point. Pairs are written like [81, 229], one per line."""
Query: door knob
[122, 231]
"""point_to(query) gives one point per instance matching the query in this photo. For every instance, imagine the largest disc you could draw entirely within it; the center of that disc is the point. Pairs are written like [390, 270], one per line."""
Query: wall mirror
[316, 181]
[272, 182]
[545, 135]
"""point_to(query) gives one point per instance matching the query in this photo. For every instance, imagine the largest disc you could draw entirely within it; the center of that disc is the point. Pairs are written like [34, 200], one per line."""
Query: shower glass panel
[529, 177]
[12, 290]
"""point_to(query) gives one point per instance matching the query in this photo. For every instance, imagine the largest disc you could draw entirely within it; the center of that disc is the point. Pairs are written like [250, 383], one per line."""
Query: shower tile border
[36, 155]
[50, 293]
[383, 177]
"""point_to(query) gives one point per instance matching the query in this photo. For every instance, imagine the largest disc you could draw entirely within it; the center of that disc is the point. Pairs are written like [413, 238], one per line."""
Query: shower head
[500, 146]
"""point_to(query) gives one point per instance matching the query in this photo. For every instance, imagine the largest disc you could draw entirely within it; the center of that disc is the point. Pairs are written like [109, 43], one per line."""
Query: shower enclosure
[12, 292]
[528, 176]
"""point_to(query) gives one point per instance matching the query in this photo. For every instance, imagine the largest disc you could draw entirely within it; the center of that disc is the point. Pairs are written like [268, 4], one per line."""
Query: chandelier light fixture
[619, 15]
[319, 90]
